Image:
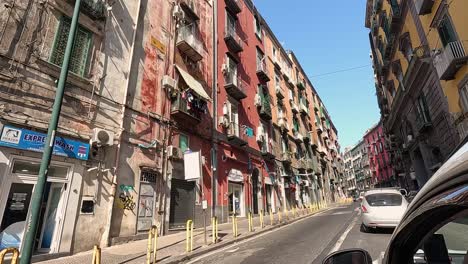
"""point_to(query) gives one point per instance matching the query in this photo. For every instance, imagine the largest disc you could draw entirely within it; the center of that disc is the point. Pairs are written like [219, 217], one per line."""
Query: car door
[436, 231]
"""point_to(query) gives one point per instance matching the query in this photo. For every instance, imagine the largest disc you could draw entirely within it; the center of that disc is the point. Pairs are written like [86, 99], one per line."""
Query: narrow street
[307, 241]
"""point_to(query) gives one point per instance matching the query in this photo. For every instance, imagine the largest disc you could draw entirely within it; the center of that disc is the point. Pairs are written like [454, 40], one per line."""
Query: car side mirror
[403, 192]
[349, 256]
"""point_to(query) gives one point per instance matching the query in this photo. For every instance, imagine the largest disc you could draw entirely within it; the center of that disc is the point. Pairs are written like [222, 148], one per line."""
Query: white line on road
[254, 237]
[343, 236]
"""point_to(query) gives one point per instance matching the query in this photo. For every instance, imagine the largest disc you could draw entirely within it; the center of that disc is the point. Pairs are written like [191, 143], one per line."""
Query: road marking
[342, 213]
[232, 250]
[342, 238]
[254, 237]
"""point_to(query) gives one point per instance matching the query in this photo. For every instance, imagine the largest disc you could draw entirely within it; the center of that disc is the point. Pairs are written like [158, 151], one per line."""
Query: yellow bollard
[279, 215]
[214, 229]
[234, 226]
[97, 255]
[250, 222]
[271, 217]
[13, 251]
[261, 219]
[152, 244]
[189, 236]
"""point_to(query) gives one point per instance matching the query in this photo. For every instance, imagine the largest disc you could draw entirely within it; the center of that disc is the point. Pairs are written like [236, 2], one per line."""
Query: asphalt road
[306, 241]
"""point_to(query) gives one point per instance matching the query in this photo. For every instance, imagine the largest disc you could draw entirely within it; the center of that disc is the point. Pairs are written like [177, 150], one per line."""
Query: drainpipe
[214, 144]
[105, 239]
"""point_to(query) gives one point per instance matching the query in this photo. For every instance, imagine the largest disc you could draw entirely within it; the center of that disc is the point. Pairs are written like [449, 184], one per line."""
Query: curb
[205, 249]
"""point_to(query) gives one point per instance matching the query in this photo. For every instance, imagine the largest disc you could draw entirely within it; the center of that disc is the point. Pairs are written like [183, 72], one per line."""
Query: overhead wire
[342, 70]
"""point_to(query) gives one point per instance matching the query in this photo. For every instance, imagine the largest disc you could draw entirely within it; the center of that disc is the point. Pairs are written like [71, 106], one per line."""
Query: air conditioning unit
[102, 137]
[168, 82]
[260, 134]
[178, 12]
[257, 100]
[174, 152]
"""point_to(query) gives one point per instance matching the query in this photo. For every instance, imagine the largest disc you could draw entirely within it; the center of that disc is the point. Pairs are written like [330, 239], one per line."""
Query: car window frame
[423, 221]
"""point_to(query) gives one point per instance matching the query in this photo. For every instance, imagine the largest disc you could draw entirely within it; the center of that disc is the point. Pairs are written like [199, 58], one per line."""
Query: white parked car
[382, 208]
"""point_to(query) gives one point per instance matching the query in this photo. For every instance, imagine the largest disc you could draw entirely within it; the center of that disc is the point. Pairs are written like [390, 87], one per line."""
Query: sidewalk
[171, 248]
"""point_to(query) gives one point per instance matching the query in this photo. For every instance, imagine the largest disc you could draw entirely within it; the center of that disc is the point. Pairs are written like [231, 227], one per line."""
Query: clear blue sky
[328, 36]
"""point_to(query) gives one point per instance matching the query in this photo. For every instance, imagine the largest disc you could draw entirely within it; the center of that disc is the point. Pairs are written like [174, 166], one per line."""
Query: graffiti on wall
[126, 201]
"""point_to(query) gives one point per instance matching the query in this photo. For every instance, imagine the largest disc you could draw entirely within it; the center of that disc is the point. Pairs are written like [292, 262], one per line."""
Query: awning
[193, 84]
[268, 181]
[235, 176]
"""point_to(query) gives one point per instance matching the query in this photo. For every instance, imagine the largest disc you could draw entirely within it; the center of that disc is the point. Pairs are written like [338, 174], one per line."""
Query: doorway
[14, 206]
[255, 191]
[182, 203]
[236, 199]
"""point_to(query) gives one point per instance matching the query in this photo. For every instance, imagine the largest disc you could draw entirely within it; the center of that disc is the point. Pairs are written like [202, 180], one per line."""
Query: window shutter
[80, 52]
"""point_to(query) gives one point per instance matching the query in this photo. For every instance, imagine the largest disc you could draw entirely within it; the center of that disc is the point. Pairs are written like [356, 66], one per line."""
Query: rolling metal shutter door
[182, 203]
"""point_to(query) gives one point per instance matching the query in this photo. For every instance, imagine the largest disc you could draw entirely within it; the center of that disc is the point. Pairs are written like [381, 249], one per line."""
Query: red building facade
[245, 159]
[379, 159]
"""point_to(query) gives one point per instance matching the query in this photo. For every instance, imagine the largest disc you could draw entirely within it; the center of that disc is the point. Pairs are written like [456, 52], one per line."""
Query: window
[284, 144]
[296, 124]
[81, 49]
[260, 60]
[231, 75]
[277, 80]
[183, 142]
[397, 71]
[384, 199]
[274, 52]
[446, 31]
[406, 47]
[233, 109]
[423, 111]
[257, 27]
[291, 94]
[265, 144]
[230, 24]
[464, 96]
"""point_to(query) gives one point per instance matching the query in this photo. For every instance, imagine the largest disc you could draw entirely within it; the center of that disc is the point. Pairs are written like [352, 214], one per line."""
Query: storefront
[269, 195]
[236, 193]
[18, 179]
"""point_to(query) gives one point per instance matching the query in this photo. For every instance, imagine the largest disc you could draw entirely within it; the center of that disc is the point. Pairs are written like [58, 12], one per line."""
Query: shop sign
[235, 176]
[25, 139]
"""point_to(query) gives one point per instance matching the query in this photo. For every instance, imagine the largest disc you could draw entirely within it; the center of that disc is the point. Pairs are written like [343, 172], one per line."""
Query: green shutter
[183, 142]
[80, 53]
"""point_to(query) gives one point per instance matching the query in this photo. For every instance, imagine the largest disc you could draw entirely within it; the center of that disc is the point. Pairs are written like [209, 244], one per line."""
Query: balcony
[286, 157]
[266, 152]
[190, 8]
[300, 84]
[423, 123]
[298, 137]
[277, 63]
[449, 60]
[183, 113]
[233, 41]
[424, 7]
[395, 16]
[306, 137]
[262, 71]
[319, 127]
[294, 107]
[92, 8]
[236, 135]
[374, 27]
[313, 142]
[235, 6]
[189, 44]
[377, 5]
[234, 85]
[279, 92]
